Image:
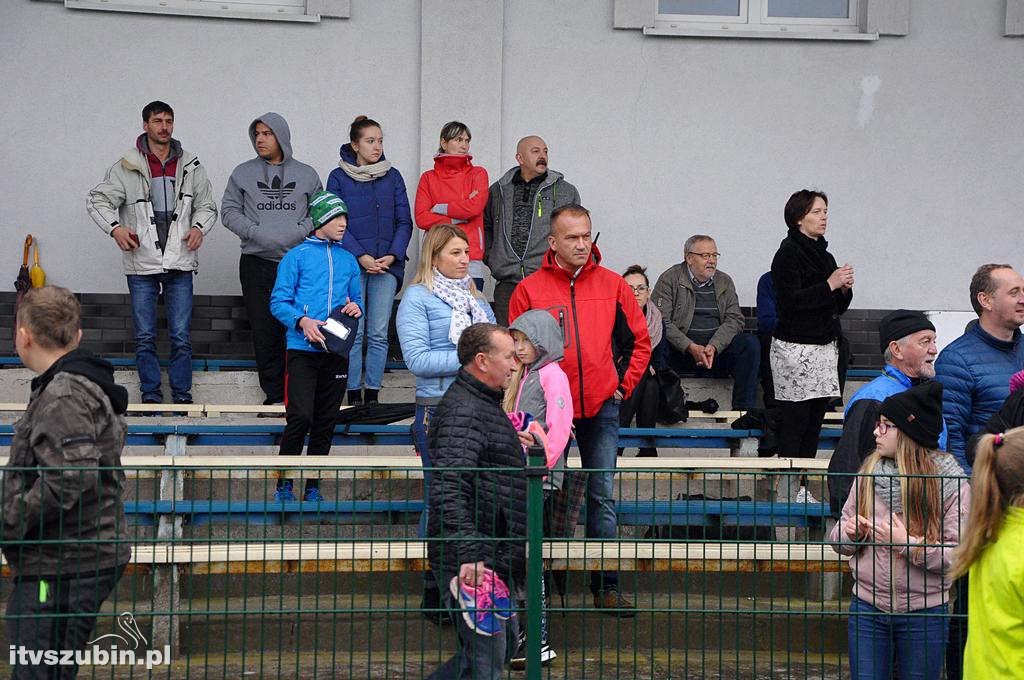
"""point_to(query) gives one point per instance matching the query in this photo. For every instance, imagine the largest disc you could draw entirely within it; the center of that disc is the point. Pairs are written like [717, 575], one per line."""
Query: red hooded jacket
[450, 183]
[604, 331]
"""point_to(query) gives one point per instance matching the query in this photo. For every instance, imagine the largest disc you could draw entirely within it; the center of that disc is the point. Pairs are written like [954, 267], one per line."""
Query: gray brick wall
[220, 329]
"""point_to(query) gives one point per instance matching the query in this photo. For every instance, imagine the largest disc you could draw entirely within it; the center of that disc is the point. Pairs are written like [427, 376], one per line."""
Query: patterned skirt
[803, 372]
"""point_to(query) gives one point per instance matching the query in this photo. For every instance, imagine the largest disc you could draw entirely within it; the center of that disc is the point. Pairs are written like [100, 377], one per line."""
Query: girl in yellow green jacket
[991, 553]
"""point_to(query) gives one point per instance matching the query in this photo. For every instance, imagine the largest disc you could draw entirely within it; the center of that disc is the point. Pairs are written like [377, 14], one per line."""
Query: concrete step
[391, 626]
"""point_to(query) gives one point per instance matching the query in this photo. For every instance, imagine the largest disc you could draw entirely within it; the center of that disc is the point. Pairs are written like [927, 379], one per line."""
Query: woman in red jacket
[455, 192]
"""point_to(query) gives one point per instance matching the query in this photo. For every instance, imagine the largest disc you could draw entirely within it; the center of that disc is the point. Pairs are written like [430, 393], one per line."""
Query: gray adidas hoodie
[544, 391]
[266, 205]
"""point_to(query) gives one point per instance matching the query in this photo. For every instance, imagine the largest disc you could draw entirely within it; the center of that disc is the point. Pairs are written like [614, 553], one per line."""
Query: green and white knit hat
[324, 207]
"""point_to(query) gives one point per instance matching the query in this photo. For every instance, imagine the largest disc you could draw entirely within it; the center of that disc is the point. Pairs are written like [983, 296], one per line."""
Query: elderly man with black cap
[907, 341]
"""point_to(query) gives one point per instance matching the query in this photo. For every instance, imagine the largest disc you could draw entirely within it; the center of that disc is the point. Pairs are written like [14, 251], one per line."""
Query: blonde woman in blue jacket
[441, 303]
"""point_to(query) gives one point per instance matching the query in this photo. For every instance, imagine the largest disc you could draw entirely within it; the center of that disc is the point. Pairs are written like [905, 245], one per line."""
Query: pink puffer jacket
[902, 578]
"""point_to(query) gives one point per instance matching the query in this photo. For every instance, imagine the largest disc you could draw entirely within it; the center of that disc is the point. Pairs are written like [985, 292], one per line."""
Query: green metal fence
[731, 577]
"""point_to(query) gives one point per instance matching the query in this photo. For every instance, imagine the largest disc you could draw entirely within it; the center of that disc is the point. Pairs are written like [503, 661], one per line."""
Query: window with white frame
[834, 19]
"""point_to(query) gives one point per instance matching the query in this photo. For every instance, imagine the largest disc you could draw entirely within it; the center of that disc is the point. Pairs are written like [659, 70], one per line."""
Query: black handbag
[671, 397]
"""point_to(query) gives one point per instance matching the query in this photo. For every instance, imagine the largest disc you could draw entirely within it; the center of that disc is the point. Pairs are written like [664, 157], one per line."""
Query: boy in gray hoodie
[265, 205]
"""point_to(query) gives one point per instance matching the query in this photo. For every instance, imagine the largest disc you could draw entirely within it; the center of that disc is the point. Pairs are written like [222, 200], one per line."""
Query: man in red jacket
[606, 352]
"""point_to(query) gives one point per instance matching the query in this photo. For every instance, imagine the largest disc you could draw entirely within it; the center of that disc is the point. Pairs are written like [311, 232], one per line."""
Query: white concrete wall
[74, 83]
[666, 137]
[918, 140]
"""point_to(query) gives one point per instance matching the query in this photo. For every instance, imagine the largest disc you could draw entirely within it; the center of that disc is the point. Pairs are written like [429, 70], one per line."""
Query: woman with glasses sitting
[643, 403]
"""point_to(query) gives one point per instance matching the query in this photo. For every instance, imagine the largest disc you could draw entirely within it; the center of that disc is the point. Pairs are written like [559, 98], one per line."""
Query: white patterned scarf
[366, 173]
[466, 311]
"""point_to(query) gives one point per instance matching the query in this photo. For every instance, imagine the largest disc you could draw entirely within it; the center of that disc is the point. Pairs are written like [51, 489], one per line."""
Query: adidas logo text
[280, 205]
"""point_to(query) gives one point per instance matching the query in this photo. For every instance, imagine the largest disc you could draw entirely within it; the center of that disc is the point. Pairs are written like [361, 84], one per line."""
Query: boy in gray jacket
[265, 205]
[64, 528]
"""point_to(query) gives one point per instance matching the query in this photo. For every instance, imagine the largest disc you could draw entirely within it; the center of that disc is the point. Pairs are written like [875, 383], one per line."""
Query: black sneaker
[433, 609]
[518, 660]
[355, 397]
[613, 603]
[271, 415]
[151, 414]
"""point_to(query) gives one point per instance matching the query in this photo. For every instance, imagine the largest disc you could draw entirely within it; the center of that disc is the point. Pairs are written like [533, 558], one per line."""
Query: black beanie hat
[900, 324]
[917, 412]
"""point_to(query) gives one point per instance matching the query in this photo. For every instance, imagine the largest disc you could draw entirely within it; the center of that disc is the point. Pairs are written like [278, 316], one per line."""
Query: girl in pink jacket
[900, 525]
[541, 390]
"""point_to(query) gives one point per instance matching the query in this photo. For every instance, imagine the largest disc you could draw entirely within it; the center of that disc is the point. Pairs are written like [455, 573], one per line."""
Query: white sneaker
[518, 660]
[804, 496]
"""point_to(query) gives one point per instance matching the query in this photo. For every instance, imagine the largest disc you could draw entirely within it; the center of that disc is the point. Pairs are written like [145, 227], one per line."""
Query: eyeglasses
[640, 289]
[706, 256]
[882, 427]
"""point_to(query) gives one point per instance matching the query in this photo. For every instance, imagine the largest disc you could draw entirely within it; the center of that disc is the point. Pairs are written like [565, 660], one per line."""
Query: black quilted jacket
[469, 429]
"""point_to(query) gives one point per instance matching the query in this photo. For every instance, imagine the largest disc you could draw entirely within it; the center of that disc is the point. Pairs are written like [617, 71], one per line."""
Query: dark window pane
[810, 9]
[708, 7]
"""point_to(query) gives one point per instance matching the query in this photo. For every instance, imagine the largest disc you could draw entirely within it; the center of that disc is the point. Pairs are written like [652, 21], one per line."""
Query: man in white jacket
[157, 204]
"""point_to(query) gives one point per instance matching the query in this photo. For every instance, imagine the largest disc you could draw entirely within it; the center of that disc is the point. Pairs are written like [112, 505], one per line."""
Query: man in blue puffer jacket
[975, 371]
[975, 368]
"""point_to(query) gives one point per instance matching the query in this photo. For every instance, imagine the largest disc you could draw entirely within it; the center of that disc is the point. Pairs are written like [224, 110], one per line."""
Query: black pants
[316, 385]
[643, 403]
[502, 296]
[957, 632]
[799, 428]
[257, 277]
[49, 626]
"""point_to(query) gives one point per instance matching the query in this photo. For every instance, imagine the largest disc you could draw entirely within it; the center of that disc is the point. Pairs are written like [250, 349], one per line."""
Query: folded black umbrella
[376, 414]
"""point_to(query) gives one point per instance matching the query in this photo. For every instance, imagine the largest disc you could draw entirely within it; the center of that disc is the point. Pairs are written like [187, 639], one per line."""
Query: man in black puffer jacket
[469, 509]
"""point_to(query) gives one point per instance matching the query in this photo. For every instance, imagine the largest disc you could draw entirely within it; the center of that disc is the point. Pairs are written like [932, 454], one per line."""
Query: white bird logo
[126, 622]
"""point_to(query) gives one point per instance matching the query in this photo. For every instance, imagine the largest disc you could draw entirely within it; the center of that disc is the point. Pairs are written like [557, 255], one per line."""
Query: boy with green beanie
[316, 280]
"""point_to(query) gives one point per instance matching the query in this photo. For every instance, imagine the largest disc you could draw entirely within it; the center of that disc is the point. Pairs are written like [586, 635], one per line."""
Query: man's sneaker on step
[284, 492]
[313, 495]
[804, 496]
[613, 603]
[477, 607]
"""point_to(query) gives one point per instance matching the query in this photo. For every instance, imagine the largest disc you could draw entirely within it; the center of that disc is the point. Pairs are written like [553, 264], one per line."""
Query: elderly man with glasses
[704, 324]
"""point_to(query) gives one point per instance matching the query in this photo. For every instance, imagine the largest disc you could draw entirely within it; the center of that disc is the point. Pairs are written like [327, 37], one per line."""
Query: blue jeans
[917, 640]
[740, 360]
[478, 657]
[598, 440]
[378, 301]
[420, 426]
[177, 290]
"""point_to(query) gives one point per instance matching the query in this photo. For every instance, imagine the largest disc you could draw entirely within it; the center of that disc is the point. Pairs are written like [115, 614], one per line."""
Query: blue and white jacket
[975, 372]
[313, 278]
[423, 321]
[892, 381]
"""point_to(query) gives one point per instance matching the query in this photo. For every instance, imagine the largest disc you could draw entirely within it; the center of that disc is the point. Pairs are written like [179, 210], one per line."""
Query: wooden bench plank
[225, 465]
[574, 555]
